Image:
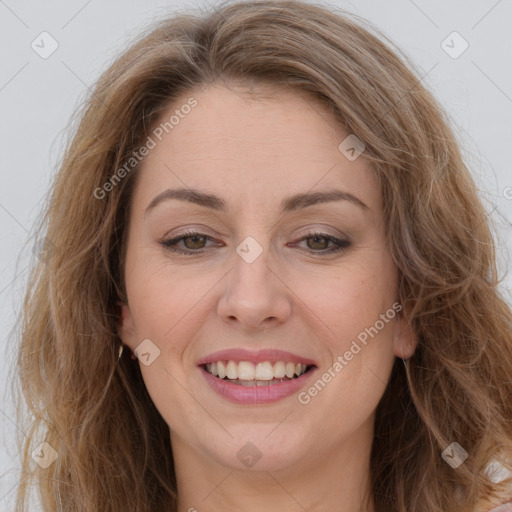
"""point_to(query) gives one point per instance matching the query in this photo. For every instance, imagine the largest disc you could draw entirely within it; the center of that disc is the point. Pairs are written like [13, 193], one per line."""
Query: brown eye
[195, 241]
[319, 242]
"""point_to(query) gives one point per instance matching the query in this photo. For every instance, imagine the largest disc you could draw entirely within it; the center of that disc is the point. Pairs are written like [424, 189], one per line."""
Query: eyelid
[340, 243]
[190, 228]
[186, 233]
[327, 231]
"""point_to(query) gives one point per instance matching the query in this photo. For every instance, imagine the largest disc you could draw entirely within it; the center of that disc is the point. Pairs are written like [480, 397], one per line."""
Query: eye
[320, 242]
[195, 241]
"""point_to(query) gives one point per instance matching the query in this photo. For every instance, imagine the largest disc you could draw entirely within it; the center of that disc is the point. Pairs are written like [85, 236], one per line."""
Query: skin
[254, 152]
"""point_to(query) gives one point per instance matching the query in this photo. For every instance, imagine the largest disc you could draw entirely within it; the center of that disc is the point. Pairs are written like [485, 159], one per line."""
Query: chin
[261, 448]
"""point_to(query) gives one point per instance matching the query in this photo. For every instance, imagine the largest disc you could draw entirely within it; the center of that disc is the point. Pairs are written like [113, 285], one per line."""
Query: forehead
[247, 145]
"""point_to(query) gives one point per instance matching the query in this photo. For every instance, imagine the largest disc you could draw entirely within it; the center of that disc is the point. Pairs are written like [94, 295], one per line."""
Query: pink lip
[259, 356]
[258, 394]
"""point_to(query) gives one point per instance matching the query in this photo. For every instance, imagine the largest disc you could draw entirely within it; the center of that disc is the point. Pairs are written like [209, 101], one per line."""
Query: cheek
[168, 304]
[169, 312]
[355, 315]
[346, 303]
[357, 323]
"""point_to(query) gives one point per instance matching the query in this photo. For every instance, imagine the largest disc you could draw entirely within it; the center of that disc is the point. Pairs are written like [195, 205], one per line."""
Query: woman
[271, 284]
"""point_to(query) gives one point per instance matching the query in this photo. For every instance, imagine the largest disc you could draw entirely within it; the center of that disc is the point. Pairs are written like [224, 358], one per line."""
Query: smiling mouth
[248, 374]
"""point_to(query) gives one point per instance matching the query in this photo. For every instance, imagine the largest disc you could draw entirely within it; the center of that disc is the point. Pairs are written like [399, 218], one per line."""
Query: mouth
[263, 373]
[259, 377]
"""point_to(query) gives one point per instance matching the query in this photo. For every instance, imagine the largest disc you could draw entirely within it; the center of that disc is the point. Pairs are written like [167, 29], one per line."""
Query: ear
[126, 326]
[405, 340]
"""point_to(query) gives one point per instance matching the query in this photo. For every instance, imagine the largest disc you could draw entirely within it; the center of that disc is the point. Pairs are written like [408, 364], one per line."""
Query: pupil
[194, 238]
[316, 238]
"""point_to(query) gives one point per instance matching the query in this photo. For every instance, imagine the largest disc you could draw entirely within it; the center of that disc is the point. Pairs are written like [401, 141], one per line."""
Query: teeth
[290, 370]
[264, 371]
[259, 374]
[221, 370]
[231, 370]
[246, 371]
[279, 370]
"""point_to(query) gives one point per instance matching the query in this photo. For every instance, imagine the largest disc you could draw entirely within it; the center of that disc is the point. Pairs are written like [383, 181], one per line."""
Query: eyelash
[171, 244]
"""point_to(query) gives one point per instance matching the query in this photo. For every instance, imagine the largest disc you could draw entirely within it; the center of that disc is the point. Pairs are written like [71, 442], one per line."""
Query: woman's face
[262, 275]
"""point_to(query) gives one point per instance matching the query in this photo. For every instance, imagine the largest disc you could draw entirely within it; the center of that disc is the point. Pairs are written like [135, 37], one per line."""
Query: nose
[255, 296]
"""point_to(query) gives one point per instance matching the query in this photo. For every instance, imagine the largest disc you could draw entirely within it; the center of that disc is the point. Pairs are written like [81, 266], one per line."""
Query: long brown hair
[113, 446]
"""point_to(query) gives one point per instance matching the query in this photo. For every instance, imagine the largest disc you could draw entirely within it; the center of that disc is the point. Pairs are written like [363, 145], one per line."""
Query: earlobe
[125, 326]
[405, 340]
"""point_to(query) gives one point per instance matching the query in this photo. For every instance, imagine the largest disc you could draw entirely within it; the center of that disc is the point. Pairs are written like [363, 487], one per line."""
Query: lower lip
[256, 394]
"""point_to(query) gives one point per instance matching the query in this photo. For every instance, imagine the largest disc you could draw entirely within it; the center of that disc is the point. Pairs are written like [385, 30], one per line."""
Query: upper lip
[258, 356]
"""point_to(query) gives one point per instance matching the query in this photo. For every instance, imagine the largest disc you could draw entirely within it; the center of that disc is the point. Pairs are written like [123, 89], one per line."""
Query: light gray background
[37, 97]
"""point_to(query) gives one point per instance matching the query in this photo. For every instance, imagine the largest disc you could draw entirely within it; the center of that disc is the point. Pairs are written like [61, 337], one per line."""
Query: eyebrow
[289, 204]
